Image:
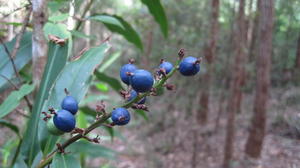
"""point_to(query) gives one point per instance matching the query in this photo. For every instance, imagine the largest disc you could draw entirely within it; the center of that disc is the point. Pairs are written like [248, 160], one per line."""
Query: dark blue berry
[120, 116]
[142, 80]
[167, 66]
[70, 104]
[64, 121]
[123, 72]
[189, 66]
[133, 95]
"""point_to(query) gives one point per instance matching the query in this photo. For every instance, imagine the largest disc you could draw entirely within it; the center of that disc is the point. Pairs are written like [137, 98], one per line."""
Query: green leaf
[110, 131]
[12, 23]
[81, 120]
[93, 150]
[102, 87]
[10, 126]
[87, 110]
[157, 11]
[143, 114]
[22, 58]
[76, 77]
[58, 18]
[14, 99]
[113, 82]
[65, 161]
[117, 24]
[110, 60]
[79, 34]
[57, 57]
[93, 98]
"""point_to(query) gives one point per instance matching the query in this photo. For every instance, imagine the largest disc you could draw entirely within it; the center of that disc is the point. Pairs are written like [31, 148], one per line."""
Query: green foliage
[113, 82]
[117, 24]
[157, 11]
[65, 161]
[13, 100]
[10, 126]
[22, 58]
[57, 58]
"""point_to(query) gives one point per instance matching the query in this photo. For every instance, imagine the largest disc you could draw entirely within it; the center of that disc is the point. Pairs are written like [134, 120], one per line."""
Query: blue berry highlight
[189, 66]
[120, 116]
[70, 104]
[64, 121]
[167, 66]
[133, 95]
[123, 72]
[142, 80]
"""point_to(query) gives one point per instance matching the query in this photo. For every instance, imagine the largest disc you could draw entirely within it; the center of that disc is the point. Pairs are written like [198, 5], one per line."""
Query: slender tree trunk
[39, 43]
[297, 64]
[263, 62]
[239, 43]
[210, 53]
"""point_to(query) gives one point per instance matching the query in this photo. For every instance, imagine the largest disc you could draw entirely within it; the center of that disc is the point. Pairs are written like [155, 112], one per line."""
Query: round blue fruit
[167, 66]
[142, 80]
[133, 95]
[189, 67]
[70, 104]
[64, 121]
[120, 116]
[123, 72]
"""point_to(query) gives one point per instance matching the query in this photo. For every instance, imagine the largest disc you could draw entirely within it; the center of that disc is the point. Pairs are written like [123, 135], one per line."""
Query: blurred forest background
[242, 110]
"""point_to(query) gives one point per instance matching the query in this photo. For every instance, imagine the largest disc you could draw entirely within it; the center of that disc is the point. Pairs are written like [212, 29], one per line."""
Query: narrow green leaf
[81, 120]
[22, 58]
[57, 57]
[117, 24]
[65, 161]
[110, 60]
[93, 98]
[14, 99]
[113, 82]
[12, 23]
[93, 150]
[157, 11]
[143, 114]
[10, 126]
[87, 110]
[76, 77]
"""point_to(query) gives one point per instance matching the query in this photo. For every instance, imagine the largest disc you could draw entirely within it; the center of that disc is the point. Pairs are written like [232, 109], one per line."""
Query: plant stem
[106, 116]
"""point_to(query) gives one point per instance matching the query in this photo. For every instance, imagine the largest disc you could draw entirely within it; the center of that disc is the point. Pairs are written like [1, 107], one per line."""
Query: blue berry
[189, 66]
[133, 95]
[167, 66]
[142, 80]
[70, 104]
[64, 121]
[120, 116]
[123, 72]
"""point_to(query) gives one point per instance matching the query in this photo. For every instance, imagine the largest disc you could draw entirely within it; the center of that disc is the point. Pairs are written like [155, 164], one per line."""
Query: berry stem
[105, 117]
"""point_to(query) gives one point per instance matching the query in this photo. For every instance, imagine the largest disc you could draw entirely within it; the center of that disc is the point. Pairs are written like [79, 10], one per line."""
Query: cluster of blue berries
[64, 119]
[138, 80]
[141, 81]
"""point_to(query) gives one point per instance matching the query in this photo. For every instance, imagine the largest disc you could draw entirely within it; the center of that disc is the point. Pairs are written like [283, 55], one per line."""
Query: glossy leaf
[14, 99]
[76, 77]
[113, 82]
[10, 126]
[157, 11]
[57, 57]
[93, 150]
[117, 24]
[22, 58]
[79, 34]
[143, 114]
[65, 161]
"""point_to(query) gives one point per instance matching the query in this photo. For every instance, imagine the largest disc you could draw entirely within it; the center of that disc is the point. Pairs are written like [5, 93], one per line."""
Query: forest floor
[182, 143]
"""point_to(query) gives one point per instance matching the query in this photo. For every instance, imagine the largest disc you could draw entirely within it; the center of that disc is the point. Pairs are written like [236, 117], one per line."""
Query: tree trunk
[263, 62]
[239, 43]
[297, 64]
[39, 43]
[210, 53]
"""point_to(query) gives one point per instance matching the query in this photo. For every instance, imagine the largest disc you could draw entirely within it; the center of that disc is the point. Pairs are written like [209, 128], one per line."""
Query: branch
[106, 116]
[15, 10]
[14, 53]
[87, 7]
